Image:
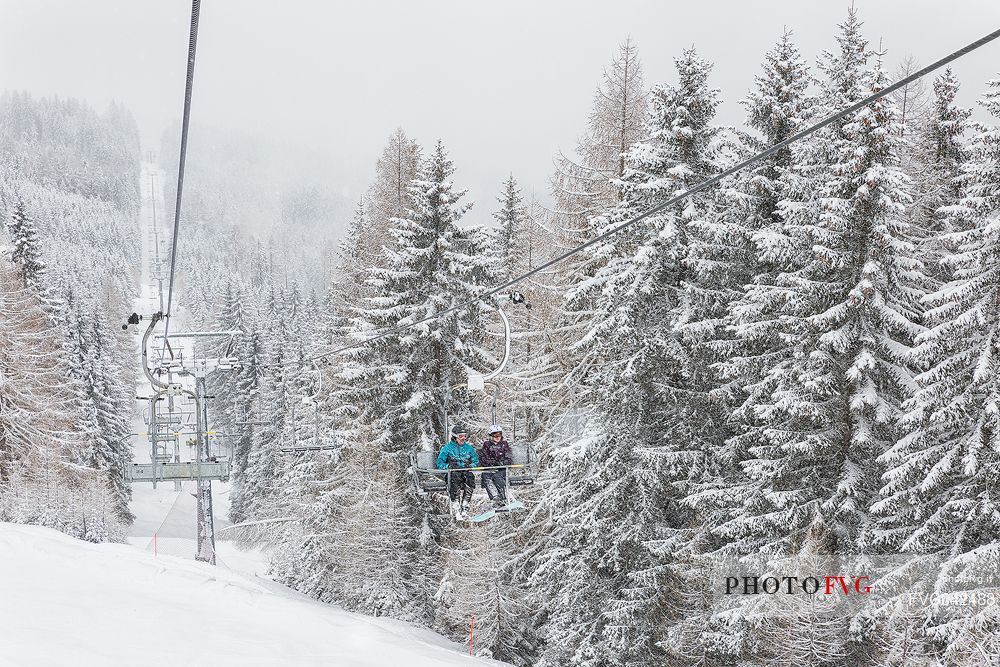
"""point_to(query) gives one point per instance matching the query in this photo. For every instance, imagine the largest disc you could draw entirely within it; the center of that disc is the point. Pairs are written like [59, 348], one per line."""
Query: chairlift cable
[185, 122]
[707, 183]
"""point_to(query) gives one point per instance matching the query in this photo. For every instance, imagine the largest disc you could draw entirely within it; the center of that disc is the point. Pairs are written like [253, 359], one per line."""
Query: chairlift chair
[429, 480]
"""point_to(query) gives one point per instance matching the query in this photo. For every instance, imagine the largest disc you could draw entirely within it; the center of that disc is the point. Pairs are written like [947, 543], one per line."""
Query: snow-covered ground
[66, 602]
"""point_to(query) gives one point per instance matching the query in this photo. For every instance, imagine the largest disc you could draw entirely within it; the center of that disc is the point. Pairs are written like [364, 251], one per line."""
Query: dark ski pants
[461, 482]
[495, 483]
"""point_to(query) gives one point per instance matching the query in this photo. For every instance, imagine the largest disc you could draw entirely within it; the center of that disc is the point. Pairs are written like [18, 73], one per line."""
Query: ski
[512, 506]
[485, 516]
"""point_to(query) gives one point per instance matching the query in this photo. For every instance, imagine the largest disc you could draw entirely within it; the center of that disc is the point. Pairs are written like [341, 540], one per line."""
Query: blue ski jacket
[454, 456]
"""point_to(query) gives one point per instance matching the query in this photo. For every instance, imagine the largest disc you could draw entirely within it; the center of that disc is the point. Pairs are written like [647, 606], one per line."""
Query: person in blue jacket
[458, 453]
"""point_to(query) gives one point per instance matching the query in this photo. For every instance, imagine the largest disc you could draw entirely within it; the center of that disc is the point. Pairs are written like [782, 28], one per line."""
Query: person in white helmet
[495, 452]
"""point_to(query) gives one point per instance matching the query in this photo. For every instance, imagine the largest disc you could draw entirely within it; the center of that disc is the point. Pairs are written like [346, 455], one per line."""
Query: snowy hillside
[69, 602]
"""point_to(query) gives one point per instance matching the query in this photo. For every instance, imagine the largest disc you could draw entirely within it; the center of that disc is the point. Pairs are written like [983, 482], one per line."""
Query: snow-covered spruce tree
[512, 220]
[430, 270]
[618, 518]
[519, 245]
[229, 316]
[940, 497]
[352, 262]
[847, 307]
[748, 248]
[110, 451]
[249, 379]
[302, 484]
[303, 475]
[392, 391]
[91, 355]
[944, 129]
[26, 249]
[264, 465]
[748, 211]
[937, 157]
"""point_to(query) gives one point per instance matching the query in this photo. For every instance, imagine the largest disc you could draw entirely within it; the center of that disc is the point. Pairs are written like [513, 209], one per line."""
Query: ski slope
[71, 603]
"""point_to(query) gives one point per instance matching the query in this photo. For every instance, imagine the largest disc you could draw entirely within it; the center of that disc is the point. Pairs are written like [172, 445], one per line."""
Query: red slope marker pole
[472, 627]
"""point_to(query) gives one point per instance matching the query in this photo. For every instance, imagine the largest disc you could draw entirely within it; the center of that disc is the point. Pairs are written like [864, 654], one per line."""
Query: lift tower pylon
[201, 470]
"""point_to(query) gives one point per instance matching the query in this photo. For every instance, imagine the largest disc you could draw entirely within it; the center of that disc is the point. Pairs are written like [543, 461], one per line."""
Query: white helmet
[495, 428]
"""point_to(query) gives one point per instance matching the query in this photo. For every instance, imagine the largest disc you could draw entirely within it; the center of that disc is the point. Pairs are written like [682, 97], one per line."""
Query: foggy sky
[505, 84]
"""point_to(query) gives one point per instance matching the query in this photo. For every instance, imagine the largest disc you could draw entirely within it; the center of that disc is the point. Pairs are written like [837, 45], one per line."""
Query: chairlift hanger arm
[506, 346]
[153, 321]
[478, 382]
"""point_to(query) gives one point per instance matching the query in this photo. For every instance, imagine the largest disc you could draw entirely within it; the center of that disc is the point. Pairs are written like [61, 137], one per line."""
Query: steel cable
[185, 122]
[676, 198]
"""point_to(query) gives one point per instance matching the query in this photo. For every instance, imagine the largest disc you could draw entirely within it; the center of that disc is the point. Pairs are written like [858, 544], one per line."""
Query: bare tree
[581, 185]
[388, 195]
[912, 98]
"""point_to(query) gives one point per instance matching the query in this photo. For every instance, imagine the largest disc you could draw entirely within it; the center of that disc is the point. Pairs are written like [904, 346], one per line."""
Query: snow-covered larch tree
[388, 196]
[582, 185]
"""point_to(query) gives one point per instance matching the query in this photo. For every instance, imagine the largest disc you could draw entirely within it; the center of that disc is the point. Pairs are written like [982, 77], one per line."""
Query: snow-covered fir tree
[938, 156]
[26, 249]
